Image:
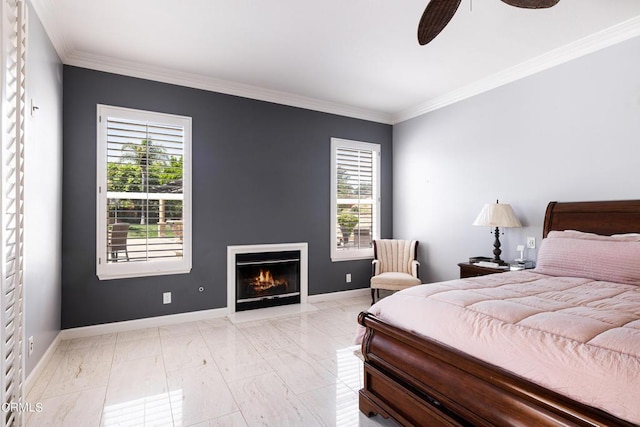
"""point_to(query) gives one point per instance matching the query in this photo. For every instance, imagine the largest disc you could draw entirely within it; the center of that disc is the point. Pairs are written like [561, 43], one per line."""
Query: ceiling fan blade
[532, 4]
[435, 17]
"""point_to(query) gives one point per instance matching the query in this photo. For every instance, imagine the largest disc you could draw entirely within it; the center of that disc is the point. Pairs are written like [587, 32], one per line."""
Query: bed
[442, 377]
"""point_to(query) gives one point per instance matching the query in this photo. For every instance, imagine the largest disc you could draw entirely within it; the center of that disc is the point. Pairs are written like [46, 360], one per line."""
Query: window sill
[132, 275]
[351, 257]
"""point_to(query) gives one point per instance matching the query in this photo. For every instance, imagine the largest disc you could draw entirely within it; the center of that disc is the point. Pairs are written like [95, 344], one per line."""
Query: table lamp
[497, 215]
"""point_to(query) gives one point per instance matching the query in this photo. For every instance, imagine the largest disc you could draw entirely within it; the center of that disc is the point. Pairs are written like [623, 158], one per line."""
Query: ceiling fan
[438, 13]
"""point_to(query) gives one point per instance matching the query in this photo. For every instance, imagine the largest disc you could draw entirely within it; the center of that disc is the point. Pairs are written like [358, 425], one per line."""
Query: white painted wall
[43, 193]
[570, 133]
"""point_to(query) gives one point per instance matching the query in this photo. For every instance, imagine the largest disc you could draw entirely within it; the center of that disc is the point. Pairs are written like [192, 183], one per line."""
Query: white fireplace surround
[232, 251]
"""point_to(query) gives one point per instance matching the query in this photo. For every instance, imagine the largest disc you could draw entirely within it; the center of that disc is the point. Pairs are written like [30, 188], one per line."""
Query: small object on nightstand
[527, 264]
[474, 259]
[487, 264]
[521, 264]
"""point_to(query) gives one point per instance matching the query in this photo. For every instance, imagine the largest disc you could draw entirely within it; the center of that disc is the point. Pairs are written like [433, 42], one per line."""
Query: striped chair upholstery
[395, 265]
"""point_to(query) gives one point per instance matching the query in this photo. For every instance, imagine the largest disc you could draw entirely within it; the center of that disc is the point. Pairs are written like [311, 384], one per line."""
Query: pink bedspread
[576, 336]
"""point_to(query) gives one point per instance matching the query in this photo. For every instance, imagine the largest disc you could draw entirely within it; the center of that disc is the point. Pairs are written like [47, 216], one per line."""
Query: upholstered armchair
[395, 265]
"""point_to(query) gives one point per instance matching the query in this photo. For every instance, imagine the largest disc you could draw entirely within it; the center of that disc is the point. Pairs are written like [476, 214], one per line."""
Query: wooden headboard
[607, 217]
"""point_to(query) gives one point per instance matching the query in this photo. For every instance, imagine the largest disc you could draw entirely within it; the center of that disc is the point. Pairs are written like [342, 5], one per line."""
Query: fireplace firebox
[267, 279]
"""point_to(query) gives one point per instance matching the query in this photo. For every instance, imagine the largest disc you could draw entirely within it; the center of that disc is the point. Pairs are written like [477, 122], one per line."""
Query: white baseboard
[149, 322]
[33, 376]
[354, 293]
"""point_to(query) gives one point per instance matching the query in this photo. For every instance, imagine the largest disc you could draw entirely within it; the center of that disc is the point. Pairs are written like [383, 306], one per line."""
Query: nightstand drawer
[470, 270]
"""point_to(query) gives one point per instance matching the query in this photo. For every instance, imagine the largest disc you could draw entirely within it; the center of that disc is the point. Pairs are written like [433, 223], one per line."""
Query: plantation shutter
[13, 25]
[145, 191]
[356, 201]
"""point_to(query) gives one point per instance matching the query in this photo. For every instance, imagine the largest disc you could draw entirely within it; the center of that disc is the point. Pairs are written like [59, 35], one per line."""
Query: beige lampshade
[497, 215]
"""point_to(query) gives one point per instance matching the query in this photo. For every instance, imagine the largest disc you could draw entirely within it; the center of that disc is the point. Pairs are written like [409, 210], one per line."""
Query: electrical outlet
[531, 242]
[348, 278]
[30, 345]
[166, 298]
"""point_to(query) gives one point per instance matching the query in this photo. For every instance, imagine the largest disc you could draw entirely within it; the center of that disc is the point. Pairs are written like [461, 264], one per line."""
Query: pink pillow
[610, 259]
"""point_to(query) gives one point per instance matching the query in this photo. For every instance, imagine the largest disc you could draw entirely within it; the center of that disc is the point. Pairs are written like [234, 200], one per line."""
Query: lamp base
[496, 248]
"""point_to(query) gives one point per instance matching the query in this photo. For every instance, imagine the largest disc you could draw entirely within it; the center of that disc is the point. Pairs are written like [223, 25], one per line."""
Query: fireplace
[267, 279]
[260, 276]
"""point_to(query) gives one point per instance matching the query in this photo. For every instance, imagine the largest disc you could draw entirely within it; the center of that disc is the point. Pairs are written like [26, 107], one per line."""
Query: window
[355, 199]
[143, 194]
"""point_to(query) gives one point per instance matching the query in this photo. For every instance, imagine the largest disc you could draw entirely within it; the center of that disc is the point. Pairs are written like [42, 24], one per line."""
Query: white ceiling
[358, 58]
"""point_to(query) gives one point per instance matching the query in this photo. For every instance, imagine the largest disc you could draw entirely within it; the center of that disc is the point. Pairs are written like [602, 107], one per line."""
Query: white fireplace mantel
[232, 251]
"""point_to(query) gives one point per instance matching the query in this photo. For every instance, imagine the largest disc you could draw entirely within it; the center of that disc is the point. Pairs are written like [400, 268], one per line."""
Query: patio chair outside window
[118, 240]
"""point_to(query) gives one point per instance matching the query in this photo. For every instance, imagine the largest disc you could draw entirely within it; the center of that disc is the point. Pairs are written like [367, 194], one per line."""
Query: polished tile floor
[297, 370]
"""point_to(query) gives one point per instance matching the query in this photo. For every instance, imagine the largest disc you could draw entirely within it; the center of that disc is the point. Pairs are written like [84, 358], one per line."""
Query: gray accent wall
[42, 194]
[261, 174]
[570, 133]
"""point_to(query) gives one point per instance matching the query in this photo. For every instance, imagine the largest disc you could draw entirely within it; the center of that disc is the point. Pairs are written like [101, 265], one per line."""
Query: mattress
[577, 336]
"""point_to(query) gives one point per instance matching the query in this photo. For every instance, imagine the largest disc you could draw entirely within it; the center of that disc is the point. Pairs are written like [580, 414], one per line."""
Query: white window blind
[355, 198]
[13, 23]
[144, 191]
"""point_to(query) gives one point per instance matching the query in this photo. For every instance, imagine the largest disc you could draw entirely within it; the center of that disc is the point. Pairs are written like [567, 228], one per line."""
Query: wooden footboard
[418, 381]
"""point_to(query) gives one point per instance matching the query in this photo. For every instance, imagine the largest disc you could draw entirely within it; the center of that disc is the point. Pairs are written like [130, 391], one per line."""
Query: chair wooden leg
[373, 296]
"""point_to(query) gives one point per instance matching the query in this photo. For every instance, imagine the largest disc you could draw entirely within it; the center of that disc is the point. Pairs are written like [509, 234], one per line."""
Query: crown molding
[133, 69]
[592, 43]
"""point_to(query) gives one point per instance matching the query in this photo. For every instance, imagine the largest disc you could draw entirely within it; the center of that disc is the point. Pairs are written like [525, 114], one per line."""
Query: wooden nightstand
[470, 270]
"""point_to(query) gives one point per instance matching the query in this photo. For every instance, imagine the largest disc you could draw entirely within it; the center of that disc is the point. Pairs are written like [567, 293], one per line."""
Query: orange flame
[265, 277]
[264, 281]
